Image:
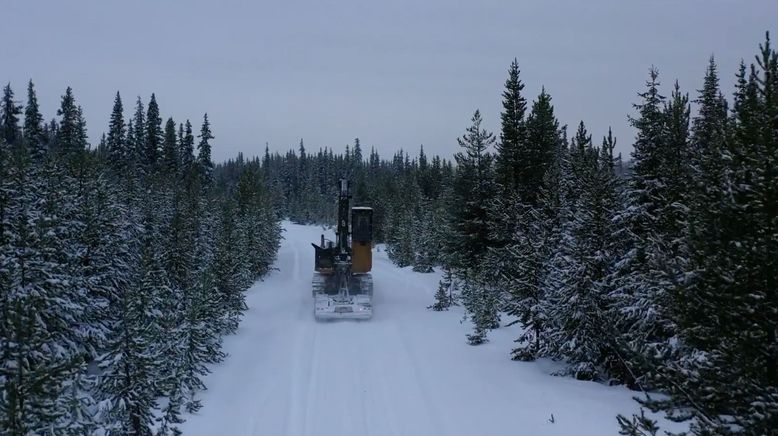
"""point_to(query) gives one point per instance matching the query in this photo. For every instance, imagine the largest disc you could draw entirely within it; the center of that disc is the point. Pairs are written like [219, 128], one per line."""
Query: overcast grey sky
[396, 74]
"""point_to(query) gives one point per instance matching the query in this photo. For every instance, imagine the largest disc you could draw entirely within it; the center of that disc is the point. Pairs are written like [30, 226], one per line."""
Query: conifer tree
[139, 137]
[81, 132]
[473, 188]
[424, 242]
[130, 144]
[523, 221]
[639, 285]
[542, 135]
[153, 146]
[116, 139]
[186, 152]
[71, 134]
[77, 405]
[33, 125]
[232, 270]
[9, 117]
[204, 152]
[511, 149]
[400, 245]
[444, 298]
[480, 301]
[524, 266]
[709, 139]
[179, 143]
[677, 158]
[169, 148]
[579, 328]
[41, 302]
[726, 318]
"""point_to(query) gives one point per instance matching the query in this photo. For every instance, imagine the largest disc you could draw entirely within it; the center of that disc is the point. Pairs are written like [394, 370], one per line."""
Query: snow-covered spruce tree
[34, 137]
[200, 327]
[638, 425]
[9, 117]
[136, 351]
[186, 149]
[645, 274]
[6, 412]
[257, 225]
[677, 159]
[404, 219]
[171, 413]
[71, 134]
[481, 300]
[129, 386]
[441, 231]
[77, 405]
[137, 140]
[400, 241]
[200, 338]
[726, 310]
[28, 403]
[473, 190]
[170, 158]
[153, 137]
[536, 255]
[481, 310]
[182, 227]
[543, 132]
[231, 269]
[425, 244]
[174, 252]
[708, 199]
[512, 150]
[117, 142]
[43, 304]
[524, 230]
[204, 153]
[79, 208]
[443, 296]
[169, 371]
[578, 329]
[91, 206]
[447, 293]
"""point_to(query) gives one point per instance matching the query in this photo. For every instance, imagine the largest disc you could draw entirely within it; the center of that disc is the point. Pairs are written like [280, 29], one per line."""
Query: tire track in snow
[302, 367]
[432, 413]
[398, 340]
[313, 381]
[386, 405]
[304, 355]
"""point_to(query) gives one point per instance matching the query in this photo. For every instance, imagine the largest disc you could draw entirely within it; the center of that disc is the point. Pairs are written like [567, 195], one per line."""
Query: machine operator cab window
[361, 225]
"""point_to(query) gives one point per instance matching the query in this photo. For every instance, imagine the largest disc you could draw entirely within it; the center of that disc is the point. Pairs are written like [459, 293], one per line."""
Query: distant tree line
[121, 267]
[661, 273]
[407, 193]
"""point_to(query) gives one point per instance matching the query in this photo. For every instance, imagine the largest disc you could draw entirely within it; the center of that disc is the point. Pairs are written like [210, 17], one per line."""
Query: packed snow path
[408, 371]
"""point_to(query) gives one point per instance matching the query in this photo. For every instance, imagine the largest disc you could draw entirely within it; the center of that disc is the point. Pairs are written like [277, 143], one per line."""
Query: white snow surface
[407, 371]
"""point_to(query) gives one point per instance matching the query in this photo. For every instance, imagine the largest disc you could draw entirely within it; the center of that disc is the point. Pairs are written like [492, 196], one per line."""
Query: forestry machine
[342, 285]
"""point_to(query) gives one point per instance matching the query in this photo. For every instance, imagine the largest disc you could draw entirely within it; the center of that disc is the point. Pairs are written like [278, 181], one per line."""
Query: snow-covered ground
[408, 371]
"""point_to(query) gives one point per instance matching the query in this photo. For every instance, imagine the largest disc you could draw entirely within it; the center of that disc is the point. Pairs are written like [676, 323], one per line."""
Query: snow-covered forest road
[408, 371]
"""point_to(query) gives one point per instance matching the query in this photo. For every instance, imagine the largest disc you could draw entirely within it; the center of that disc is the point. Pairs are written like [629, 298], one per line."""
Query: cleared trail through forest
[407, 371]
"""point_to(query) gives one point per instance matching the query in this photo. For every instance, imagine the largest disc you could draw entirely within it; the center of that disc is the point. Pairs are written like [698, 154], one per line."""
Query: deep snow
[408, 371]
